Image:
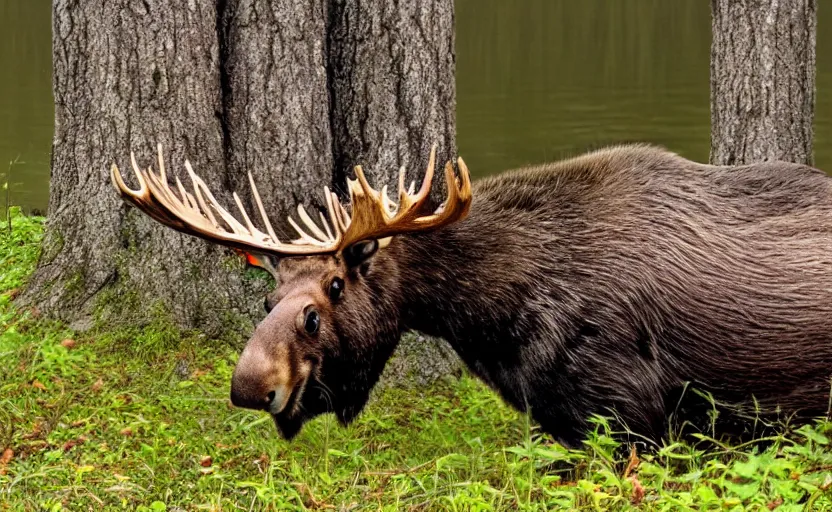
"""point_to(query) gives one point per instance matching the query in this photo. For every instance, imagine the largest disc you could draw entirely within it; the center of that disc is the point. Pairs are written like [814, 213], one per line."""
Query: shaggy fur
[599, 285]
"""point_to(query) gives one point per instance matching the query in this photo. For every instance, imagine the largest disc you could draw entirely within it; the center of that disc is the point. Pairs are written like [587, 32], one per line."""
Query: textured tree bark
[392, 65]
[762, 80]
[392, 90]
[122, 81]
[277, 103]
[129, 74]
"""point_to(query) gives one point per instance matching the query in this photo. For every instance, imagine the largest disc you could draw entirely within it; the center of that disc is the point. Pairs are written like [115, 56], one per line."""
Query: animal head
[333, 320]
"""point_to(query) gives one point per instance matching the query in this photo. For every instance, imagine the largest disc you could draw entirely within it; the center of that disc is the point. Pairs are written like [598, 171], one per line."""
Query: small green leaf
[813, 435]
[706, 494]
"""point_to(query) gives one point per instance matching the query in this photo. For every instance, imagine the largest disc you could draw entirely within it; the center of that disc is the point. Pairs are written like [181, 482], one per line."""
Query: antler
[374, 215]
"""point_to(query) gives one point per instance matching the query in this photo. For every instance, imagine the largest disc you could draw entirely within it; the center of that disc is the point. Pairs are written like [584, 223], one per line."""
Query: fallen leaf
[827, 483]
[206, 461]
[126, 431]
[36, 431]
[96, 387]
[38, 384]
[638, 491]
[632, 463]
[5, 459]
[774, 504]
[68, 343]
[72, 443]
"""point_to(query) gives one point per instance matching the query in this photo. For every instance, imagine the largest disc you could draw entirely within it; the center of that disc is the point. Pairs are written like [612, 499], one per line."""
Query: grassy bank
[140, 420]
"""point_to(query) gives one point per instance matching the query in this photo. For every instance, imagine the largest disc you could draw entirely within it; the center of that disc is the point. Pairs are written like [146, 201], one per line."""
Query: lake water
[536, 80]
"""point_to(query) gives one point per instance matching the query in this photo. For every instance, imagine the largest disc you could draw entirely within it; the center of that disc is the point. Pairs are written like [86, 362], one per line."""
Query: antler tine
[365, 185]
[331, 199]
[304, 237]
[345, 216]
[262, 210]
[424, 192]
[251, 229]
[402, 192]
[342, 218]
[410, 202]
[385, 199]
[311, 224]
[182, 192]
[326, 226]
[202, 204]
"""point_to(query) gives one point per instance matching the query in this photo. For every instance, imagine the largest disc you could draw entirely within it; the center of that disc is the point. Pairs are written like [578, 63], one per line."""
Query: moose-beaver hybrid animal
[602, 284]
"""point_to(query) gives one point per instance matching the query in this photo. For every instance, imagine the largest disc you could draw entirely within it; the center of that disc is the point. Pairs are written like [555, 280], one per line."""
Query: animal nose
[249, 395]
[242, 396]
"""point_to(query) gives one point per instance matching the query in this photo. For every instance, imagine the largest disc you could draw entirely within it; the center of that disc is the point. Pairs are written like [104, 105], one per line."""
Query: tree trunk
[762, 80]
[127, 75]
[392, 88]
[277, 103]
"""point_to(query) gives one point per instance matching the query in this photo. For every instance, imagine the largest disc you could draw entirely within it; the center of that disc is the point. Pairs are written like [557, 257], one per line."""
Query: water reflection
[26, 113]
[536, 80]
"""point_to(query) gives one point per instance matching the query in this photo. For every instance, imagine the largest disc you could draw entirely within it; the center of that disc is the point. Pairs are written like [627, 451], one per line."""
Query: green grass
[139, 419]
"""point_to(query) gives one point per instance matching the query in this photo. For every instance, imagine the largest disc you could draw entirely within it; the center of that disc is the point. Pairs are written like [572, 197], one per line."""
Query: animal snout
[249, 396]
[260, 381]
[255, 396]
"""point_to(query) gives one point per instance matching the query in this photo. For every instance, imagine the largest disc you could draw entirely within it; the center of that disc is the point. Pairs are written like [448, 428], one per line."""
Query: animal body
[602, 284]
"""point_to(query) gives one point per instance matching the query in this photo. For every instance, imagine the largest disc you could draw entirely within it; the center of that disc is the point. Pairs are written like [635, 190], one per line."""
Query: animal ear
[359, 252]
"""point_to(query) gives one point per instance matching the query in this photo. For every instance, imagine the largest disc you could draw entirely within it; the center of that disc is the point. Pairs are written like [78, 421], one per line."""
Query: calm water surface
[536, 80]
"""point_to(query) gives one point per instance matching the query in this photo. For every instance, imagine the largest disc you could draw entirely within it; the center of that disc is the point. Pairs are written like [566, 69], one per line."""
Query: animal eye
[336, 287]
[311, 321]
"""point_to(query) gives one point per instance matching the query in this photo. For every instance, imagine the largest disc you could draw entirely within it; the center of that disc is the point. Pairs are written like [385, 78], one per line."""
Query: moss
[111, 303]
[53, 243]
[128, 234]
[233, 263]
[74, 286]
[256, 275]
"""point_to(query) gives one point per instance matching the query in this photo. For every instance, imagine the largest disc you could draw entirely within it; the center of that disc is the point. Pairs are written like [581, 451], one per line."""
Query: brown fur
[596, 285]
